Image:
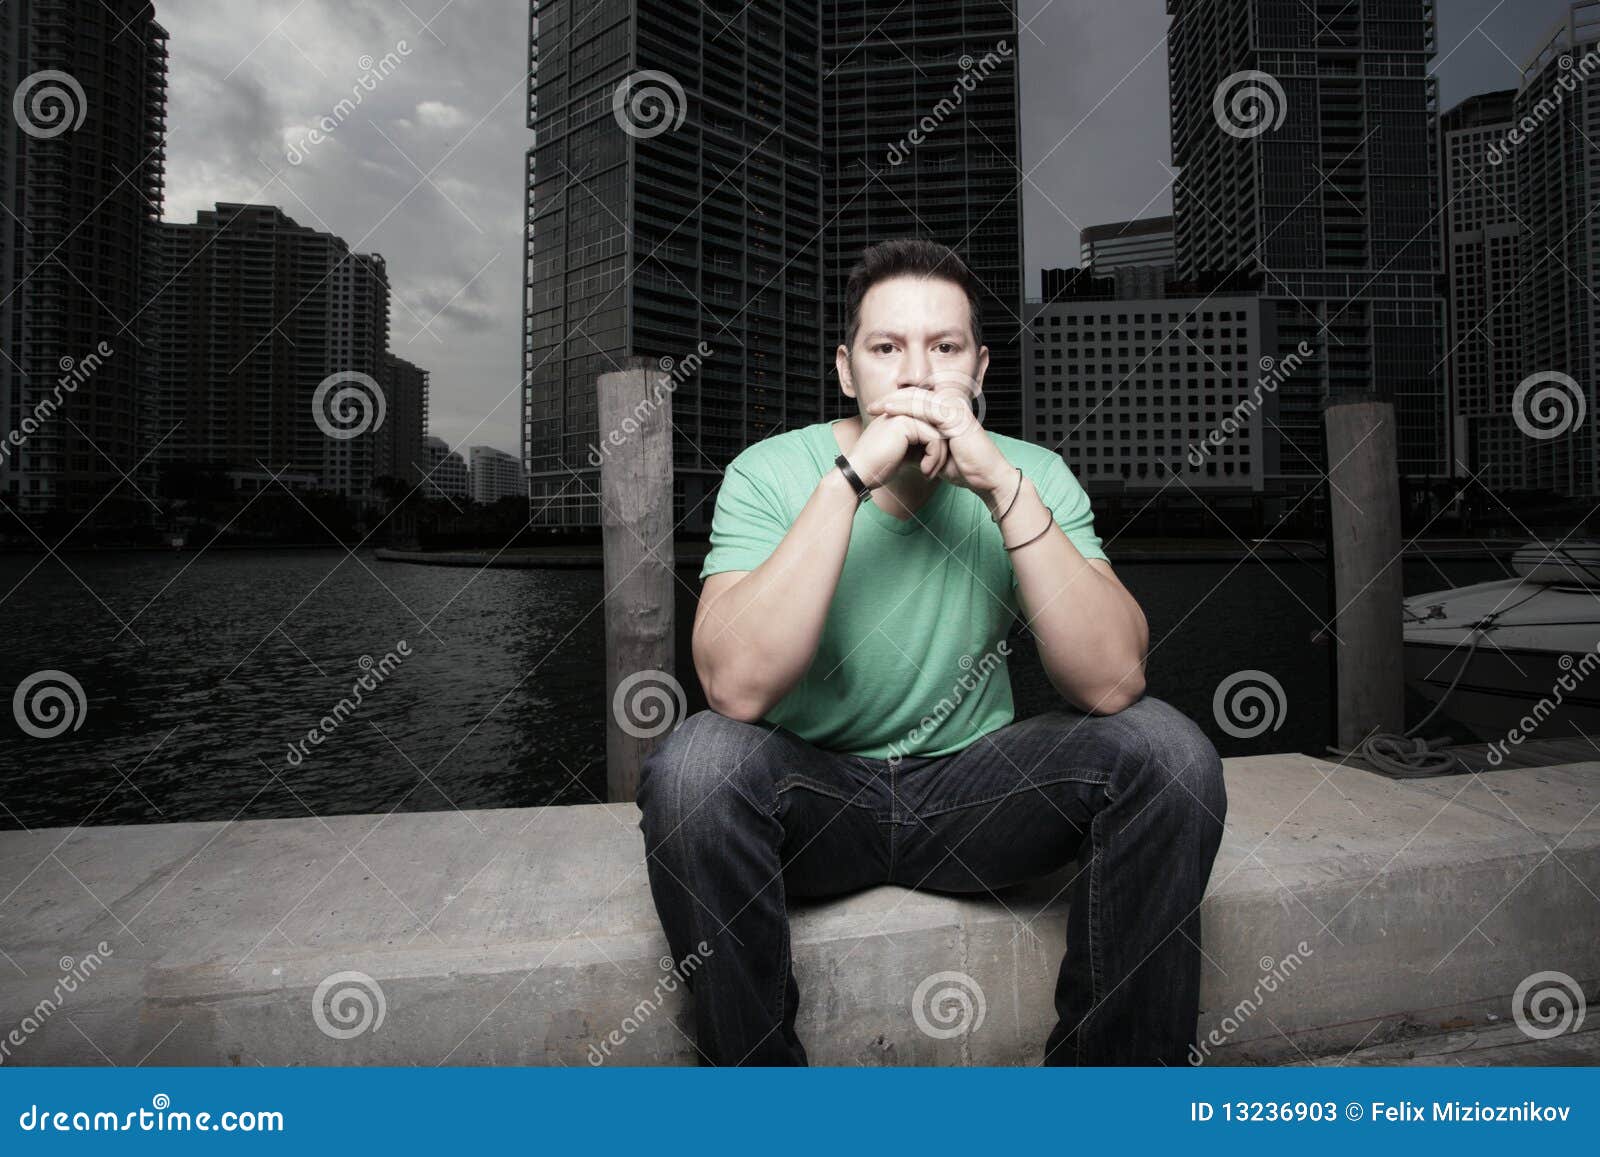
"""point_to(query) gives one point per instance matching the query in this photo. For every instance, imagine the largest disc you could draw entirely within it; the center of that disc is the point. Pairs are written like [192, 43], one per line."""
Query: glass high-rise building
[700, 182]
[1557, 109]
[1484, 241]
[1305, 140]
[255, 313]
[82, 179]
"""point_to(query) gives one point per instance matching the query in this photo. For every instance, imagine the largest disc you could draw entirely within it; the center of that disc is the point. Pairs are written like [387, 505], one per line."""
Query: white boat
[1520, 654]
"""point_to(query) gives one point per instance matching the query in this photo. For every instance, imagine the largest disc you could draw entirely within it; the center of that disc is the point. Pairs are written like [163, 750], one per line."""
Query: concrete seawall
[528, 937]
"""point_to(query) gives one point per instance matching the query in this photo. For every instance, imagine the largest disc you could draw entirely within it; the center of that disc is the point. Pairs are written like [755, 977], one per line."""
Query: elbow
[734, 703]
[1110, 700]
[1118, 700]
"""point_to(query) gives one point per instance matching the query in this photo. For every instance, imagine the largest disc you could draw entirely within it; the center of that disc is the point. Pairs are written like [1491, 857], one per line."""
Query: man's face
[914, 331]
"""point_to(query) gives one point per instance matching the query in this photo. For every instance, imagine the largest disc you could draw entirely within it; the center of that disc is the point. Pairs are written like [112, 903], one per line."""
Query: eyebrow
[942, 335]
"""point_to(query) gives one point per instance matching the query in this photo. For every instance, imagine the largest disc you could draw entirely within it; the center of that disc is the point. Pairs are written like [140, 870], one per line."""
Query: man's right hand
[892, 440]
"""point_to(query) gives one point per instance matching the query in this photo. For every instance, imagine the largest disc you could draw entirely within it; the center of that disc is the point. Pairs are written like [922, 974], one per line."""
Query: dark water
[500, 703]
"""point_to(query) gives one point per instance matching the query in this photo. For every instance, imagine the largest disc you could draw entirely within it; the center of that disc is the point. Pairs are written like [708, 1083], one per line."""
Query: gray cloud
[247, 80]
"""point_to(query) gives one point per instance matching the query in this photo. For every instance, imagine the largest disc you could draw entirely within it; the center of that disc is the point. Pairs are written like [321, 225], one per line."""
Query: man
[859, 572]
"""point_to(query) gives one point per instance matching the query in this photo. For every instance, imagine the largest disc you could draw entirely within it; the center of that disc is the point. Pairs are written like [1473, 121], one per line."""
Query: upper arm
[713, 589]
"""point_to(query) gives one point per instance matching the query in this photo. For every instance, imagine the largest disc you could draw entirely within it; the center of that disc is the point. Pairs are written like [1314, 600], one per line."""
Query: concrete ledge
[527, 936]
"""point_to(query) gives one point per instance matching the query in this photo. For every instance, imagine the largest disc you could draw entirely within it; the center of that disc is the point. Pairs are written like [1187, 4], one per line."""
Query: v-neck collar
[924, 514]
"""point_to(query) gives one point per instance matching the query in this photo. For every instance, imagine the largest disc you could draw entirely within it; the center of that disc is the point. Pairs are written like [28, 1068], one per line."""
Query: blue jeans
[739, 816]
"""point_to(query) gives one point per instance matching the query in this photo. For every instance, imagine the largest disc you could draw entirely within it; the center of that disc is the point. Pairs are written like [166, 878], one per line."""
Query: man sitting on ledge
[850, 637]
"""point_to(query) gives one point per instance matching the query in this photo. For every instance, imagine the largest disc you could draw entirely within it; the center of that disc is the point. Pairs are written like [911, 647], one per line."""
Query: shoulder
[776, 457]
[1036, 461]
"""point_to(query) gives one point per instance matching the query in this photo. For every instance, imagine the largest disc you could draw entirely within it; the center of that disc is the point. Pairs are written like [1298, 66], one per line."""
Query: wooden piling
[644, 700]
[1365, 559]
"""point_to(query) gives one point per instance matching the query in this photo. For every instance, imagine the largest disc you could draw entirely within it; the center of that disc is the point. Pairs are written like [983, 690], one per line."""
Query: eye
[946, 347]
[883, 347]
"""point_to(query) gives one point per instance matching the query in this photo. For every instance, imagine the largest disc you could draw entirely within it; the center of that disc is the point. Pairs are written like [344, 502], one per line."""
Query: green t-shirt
[912, 659]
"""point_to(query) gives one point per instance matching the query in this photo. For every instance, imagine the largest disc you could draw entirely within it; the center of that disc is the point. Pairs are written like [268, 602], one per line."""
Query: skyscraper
[82, 182]
[701, 182]
[1558, 196]
[1483, 243]
[399, 451]
[271, 340]
[1121, 244]
[495, 475]
[1305, 139]
[922, 137]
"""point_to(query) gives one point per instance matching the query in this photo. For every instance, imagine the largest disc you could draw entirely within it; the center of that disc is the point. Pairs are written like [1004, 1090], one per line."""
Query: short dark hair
[908, 257]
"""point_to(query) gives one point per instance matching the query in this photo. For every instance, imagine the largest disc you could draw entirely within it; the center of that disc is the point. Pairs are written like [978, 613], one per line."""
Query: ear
[983, 366]
[841, 364]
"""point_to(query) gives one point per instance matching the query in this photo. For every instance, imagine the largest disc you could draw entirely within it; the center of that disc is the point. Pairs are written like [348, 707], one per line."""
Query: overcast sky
[428, 169]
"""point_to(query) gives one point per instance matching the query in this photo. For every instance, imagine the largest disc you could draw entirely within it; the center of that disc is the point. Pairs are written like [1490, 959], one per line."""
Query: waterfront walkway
[1346, 912]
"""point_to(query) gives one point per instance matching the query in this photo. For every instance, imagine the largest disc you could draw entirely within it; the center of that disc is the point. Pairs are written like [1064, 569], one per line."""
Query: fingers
[917, 430]
[947, 408]
[933, 462]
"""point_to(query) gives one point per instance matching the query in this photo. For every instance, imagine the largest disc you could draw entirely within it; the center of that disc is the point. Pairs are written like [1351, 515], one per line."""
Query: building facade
[447, 475]
[1169, 394]
[687, 203]
[1306, 147]
[1557, 112]
[82, 180]
[1124, 244]
[399, 451]
[1483, 244]
[271, 339]
[495, 475]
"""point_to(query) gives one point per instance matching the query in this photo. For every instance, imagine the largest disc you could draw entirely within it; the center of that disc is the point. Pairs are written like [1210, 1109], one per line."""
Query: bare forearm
[1091, 634]
[755, 642]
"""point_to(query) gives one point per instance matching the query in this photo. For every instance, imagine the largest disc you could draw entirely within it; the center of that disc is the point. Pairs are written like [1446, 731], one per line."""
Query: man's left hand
[973, 460]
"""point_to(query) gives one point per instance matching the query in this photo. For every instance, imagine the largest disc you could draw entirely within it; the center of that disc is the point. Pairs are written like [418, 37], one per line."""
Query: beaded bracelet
[1013, 501]
[1038, 536]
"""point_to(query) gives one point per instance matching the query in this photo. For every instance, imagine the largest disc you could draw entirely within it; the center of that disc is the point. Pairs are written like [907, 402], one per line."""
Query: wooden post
[644, 700]
[1364, 533]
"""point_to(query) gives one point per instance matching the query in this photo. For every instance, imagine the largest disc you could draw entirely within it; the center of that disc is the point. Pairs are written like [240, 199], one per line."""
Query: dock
[1392, 916]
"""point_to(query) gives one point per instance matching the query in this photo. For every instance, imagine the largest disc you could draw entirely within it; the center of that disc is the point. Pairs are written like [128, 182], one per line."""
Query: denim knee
[1183, 752]
[698, 775]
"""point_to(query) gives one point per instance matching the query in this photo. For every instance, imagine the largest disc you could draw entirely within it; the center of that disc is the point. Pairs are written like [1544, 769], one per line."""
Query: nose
[916, 368]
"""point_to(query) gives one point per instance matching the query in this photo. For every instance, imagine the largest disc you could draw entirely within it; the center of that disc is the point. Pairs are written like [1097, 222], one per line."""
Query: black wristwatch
[863, 491]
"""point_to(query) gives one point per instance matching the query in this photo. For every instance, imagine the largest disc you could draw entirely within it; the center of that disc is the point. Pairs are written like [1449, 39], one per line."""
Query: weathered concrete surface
[527, 936]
